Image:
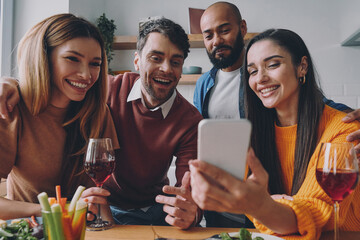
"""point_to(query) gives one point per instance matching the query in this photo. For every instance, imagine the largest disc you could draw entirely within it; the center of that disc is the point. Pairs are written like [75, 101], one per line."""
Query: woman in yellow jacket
[290, 121]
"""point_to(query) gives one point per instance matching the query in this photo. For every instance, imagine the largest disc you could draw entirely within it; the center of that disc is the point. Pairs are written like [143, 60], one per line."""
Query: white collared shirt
[135, 94]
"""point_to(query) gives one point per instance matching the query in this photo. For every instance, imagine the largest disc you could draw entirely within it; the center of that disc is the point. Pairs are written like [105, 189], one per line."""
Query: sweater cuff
[305, 224]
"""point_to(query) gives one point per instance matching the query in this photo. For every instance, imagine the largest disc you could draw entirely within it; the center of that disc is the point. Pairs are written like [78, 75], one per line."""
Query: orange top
[313, 208]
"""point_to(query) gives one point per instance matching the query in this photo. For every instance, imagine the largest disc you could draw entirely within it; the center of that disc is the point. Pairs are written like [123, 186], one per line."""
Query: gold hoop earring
[302, 80]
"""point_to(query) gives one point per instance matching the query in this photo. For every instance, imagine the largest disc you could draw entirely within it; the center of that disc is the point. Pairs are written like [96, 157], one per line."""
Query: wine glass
[99, 165]
[337, 173]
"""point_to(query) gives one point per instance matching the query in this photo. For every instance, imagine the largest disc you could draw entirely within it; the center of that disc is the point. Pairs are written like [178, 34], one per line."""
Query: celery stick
[79, 220]
[57, 217]
[49, 224]
[47, 215]
[79, 205]
[44, 202]
[75, 198]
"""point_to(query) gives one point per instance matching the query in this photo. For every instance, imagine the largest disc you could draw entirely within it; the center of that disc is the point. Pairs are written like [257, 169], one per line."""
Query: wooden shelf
[196, 41]
[124, 42]
[189, 79]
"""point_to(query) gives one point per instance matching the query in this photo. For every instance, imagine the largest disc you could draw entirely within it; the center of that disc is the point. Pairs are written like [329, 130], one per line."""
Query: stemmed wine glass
[337, 173]
[99, 165]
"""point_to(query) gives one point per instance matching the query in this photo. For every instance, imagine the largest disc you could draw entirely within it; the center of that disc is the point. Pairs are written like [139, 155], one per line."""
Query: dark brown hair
[310, 108]
[168, 28]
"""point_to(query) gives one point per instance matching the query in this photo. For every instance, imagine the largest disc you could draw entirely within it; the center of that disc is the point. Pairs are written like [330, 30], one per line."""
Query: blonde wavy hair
[84, 119]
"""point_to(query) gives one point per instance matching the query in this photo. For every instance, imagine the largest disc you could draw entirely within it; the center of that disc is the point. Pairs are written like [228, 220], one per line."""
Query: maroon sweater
[147, 144]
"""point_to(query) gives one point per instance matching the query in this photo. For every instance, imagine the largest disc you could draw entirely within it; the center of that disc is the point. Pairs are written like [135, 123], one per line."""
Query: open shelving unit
[196, 41]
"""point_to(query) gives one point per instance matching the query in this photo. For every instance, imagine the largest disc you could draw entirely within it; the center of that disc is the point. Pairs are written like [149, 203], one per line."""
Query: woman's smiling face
[75, 67]
[272, 75]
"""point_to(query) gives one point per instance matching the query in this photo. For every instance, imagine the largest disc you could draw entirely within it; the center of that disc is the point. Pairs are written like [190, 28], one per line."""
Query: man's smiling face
[160, 65]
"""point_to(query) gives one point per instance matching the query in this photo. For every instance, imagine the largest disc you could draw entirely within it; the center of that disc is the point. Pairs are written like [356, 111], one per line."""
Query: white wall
[29, 12]
[89, 9]
[6, 28]
[349, 19]
[323, 24]
[350, 23]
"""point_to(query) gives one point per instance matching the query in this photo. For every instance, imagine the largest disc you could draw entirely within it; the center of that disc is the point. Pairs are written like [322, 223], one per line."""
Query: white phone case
[224, 143]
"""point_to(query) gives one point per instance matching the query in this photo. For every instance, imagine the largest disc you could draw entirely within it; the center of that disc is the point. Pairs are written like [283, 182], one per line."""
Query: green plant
[107, 29]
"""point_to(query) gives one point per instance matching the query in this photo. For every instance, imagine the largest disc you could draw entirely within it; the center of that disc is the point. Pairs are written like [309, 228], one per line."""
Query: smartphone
[224, 143]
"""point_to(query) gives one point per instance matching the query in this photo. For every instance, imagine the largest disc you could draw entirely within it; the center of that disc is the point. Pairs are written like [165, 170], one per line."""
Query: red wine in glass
[338, 185]
[99, 171]
[337, 173]
[99, 165]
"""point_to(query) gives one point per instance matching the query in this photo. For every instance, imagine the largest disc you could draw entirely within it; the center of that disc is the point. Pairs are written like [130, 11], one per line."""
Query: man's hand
[350, 117]
[95, 196]
[9, 96]
[181, 209]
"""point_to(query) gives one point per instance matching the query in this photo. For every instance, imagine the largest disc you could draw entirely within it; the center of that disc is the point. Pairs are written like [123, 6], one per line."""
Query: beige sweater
[31, 152]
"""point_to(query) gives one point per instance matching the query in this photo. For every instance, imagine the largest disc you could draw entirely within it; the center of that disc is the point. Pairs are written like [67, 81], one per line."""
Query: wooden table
[151, 232]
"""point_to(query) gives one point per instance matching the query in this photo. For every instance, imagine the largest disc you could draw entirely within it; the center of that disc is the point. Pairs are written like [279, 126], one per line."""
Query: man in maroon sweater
[154, 123]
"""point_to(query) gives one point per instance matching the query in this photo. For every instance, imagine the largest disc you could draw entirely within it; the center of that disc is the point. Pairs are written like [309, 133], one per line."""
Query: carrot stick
[67, 222]
[58, 193]
[33, 221]
[63, 205]
[59, 199]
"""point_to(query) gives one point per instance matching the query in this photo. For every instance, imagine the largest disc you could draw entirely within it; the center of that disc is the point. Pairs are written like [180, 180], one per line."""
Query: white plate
[255, 234]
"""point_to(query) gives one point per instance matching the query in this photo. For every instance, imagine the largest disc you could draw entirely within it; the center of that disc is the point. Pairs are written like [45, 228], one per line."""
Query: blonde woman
[62, 71]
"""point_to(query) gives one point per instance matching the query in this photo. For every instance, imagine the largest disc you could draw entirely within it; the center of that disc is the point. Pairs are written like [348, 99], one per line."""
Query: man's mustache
[221, 47]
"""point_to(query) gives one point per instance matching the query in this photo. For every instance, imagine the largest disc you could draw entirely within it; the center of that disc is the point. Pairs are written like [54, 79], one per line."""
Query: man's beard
[157, 94]
[225, 62]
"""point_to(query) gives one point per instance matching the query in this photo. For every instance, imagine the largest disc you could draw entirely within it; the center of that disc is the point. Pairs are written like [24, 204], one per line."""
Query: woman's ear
[303, 67]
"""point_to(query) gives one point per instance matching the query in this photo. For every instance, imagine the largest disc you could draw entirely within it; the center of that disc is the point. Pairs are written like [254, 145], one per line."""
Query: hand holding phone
[224, 143]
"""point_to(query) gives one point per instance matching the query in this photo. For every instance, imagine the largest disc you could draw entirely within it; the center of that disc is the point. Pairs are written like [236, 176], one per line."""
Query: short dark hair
[168, 28]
